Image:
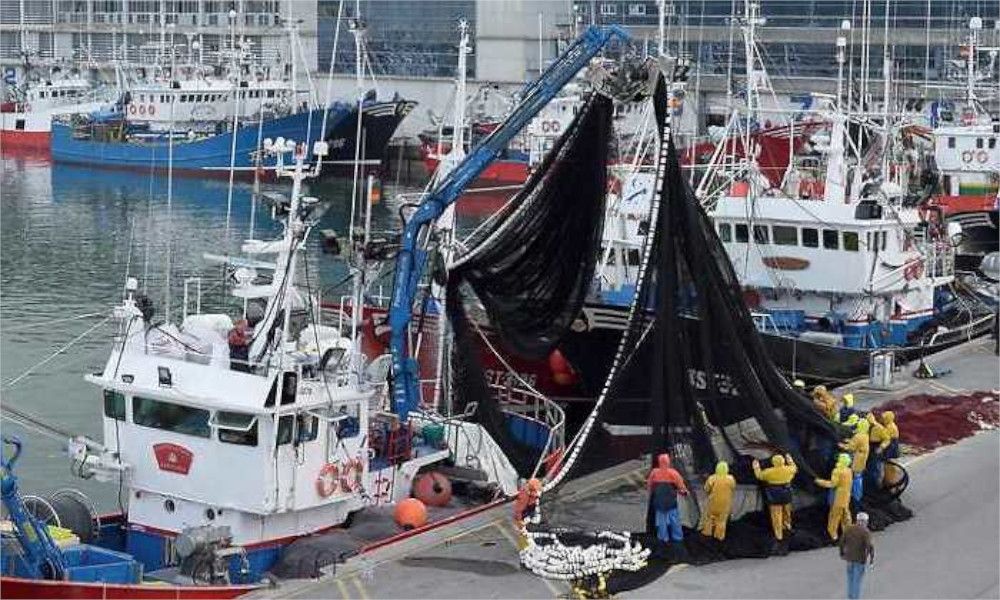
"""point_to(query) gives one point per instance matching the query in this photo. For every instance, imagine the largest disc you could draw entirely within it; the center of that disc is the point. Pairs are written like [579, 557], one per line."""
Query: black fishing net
[532, 269]
[700, 324]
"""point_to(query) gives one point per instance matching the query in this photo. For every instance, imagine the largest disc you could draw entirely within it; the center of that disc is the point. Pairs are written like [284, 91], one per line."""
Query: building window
[236, 428]
[170, 417]
[810, 237]
[114, 405]
[831, 239]
[761, 234]
[785, 235]
[851, 241]
[725, 232]
[637, 9]
[742, 233]
[608, 9]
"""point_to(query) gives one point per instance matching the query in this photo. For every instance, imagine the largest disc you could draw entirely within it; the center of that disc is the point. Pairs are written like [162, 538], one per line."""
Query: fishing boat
[231, 439]
[965, 141]
[25, 117]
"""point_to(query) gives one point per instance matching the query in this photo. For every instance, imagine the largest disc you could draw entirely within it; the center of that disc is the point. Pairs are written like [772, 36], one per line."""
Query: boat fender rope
[326, 481]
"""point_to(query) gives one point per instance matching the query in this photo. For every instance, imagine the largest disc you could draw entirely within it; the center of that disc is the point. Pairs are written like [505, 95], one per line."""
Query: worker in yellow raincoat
[778, 491]
[839, 498]
[720, 488]
[858, 445]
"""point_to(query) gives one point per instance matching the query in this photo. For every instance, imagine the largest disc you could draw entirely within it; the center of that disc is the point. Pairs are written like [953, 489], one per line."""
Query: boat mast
[886, 92]
[446, 222]
[975, 25]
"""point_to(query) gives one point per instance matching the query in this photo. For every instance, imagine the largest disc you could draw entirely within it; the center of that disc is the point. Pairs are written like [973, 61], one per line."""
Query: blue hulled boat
[113, 142]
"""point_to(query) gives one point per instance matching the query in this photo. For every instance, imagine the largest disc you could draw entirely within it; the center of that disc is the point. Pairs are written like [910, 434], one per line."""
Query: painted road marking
[360, 586]
[342, 588]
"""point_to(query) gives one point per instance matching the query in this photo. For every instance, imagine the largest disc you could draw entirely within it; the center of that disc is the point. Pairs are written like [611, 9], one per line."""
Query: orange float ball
[410, 513]
[433, 489]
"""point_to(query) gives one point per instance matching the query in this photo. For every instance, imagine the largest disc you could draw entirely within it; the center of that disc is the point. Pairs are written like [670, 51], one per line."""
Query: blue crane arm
[40, 557]
[411, 259]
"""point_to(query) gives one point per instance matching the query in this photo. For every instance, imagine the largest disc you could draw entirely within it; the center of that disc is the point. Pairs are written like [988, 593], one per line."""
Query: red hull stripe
[35, 140]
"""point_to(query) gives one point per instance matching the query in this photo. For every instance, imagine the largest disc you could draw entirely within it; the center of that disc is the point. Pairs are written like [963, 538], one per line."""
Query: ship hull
[212, 155]
[379, 123]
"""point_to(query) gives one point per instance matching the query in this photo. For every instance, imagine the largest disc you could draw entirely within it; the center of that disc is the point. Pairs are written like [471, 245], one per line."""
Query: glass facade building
[799, 35]
[402, 37]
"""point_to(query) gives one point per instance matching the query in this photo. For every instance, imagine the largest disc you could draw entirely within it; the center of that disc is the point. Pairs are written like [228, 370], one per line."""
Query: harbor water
[70, 236]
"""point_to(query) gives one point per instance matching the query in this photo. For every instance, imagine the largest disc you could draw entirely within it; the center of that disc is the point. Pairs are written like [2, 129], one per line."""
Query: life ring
[327, 480]
[350, 475]
[982, 157]
[152, 109]
[142, 109]
[967, 156]
[131, 109]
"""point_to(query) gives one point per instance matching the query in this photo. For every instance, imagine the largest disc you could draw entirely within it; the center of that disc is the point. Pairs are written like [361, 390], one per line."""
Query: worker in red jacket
[664, 483]
[525, 505]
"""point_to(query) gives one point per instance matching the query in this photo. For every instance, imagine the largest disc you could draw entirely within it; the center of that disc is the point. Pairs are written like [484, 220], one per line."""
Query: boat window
[170, 417]
[236, 428]
[725, 232]
[885, 235]
[634, 258]
[951, 142]
[831, 239]
[851, 241]
[308, 428]
[270, 93]
[761, 235]
[993, 143]
[785, 235]
[114, 405]
[979, 143]
[348, 421]
[742, 233]
[810, 237]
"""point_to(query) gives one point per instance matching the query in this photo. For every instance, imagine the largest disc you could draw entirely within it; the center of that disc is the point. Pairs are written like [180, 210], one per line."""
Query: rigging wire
[12, 382]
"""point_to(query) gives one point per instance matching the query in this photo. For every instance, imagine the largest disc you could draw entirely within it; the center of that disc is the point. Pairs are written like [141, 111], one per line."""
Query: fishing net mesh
[531, 270]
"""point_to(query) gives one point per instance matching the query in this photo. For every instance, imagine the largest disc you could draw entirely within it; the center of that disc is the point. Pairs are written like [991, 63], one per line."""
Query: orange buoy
[410, 513]
[433, 489]
[562, 371]
[740, 189]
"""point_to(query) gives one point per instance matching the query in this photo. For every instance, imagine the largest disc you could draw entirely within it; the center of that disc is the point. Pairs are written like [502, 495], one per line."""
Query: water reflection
[68, 238]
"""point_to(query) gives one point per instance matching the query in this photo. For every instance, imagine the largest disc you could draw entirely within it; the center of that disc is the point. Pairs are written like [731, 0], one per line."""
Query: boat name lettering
[723, 383]
[496, 377]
